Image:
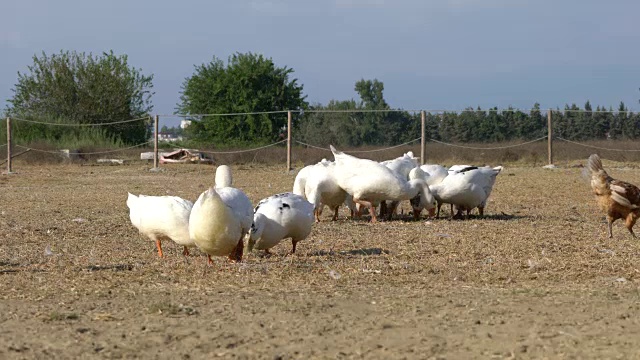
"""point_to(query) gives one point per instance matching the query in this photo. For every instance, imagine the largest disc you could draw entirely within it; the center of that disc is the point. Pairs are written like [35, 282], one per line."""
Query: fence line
[338, 111]
[243, 151]
[360, 151]
[312, 146]
[289, 140]
[57, 152]
[596, 147]
[80, 124]
[230, 114]
[488, 148]
[321, 111]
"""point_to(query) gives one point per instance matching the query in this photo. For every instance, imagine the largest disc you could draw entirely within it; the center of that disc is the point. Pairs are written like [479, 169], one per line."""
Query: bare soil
[535, 278]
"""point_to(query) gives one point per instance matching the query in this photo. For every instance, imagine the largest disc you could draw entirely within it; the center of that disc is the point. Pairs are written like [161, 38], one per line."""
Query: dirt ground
[535, 278]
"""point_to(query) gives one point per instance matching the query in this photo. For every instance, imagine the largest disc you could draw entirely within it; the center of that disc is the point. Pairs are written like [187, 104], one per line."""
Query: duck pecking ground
[535, 278]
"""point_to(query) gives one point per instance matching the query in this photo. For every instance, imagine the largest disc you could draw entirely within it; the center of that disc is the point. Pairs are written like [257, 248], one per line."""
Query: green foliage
[248, 83]
[359, 127]
[331, 127]
[59, 136]
[367, 124]
[73, 87]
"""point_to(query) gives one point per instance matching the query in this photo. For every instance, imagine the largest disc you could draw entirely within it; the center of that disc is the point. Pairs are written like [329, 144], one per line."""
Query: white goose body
[235, 198]
[278, 217]
[301, 179]
[434, 173]
[161, 218]
[215, 227]
[316, 184]
[370, 182]
[402, 165]
[467, 188]
[321, 188]
[221, 217]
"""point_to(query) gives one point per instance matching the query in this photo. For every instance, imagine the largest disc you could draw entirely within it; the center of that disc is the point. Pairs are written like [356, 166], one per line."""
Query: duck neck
[417, 187]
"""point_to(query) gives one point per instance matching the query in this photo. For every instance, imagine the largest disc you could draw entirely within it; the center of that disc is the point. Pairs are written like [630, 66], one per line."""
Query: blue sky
[446, 54]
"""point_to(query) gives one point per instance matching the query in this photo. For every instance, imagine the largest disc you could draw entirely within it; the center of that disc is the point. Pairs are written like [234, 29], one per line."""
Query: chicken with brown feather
[619, 199]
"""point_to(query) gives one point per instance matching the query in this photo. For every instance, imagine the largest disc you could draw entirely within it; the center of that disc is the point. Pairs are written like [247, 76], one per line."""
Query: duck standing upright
[215, 228]
[221, 217]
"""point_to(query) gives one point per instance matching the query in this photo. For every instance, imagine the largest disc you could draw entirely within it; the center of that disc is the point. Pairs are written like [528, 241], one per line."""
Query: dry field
[536, 278]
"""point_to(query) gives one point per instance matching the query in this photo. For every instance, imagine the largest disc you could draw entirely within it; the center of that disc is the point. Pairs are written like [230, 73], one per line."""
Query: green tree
[602, 122]
[485, 125]
[505, 124]
[447, 129]
[372, 125]
[534, 125]
[248, 83]
[584, 127]
[74, 87]
[336, 128]
[464, 125]
[571, 124]
[626, 122]
[559, 124]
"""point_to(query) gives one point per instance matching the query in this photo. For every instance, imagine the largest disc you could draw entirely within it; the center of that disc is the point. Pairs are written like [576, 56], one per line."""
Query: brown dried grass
[542, 235]
[542, 226]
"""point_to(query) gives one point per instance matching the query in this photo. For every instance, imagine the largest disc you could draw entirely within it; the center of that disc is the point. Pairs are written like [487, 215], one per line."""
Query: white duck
[401, 166]
[236, 200]
[162, 218]
[301, 178]
[215, 227]
[278, 217]
[370, 182]
[321, 188]
[454, 169]
[466, 188]
[434, 173]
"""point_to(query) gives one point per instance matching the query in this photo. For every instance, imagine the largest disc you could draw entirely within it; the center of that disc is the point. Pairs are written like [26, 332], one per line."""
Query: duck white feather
[223, 177]
[235, 198]
[370, 182]
[301, 179]
[317, 185]
[215, 227]
[216, 216]
[278, 217]
[467, 188]
[162, 218]
[401, 166]
[434, 173]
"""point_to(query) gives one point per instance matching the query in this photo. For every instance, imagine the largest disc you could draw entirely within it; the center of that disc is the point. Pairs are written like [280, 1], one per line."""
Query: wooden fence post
[9, 146]
[549, 138]
[423, 120]
[155, 142]
[288, 140]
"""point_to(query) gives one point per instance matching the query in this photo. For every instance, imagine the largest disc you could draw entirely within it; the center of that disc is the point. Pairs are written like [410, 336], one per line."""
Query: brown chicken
[619, 199]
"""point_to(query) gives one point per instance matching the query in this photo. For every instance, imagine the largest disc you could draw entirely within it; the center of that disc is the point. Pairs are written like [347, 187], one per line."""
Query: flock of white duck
[223, 216]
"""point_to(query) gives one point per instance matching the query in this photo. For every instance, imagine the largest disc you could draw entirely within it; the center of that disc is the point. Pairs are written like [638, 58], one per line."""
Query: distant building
[164, 136]
[185, 124]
